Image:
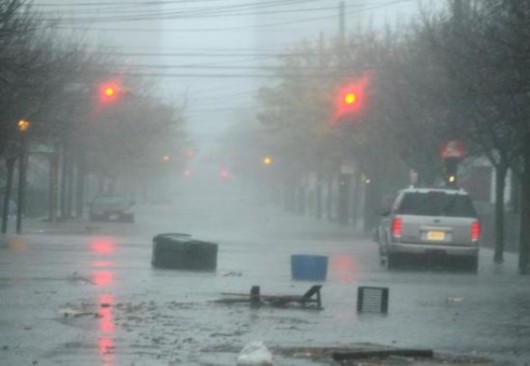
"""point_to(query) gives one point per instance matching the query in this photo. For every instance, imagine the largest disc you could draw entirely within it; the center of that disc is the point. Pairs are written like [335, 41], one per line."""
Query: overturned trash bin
[181, 251]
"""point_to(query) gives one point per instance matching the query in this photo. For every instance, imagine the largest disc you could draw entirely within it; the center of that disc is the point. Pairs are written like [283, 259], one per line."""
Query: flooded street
[69, 296]
[295, 153]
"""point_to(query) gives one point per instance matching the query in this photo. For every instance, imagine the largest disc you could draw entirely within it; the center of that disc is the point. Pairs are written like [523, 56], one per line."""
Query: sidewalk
[43, 226]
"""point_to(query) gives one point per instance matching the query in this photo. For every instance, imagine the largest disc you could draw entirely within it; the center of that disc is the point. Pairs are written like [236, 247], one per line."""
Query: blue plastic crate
[309, 267]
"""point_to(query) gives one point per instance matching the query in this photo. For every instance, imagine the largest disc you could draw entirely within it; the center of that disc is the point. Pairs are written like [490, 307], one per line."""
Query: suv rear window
[436, 204]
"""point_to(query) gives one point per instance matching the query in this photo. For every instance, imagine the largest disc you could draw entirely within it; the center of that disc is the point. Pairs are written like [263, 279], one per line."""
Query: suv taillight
[397, 224]
[475, 231]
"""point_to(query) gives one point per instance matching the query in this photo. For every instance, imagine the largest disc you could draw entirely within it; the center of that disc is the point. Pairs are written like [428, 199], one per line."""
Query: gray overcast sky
[238, 30]
[186, 40]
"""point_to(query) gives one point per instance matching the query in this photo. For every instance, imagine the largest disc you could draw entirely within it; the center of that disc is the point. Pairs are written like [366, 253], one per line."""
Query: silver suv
[437, 222]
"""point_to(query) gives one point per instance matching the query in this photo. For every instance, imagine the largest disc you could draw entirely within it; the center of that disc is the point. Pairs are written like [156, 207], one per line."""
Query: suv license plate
[114, 217]
[436, 235]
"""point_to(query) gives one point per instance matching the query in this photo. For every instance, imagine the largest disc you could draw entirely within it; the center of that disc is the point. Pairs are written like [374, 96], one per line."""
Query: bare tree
[485, 52]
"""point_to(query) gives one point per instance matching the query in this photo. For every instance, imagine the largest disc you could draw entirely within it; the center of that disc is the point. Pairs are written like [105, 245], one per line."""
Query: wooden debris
[312, 299]
[382, 354]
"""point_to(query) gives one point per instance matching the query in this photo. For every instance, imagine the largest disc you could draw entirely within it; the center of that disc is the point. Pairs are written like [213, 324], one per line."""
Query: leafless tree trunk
[500, 187]
[10, 165]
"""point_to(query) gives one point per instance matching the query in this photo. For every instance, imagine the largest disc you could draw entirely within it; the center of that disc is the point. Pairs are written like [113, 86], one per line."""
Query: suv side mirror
[384, 212]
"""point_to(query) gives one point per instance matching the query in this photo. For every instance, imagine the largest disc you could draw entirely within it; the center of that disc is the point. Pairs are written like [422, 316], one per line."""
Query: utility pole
[342, 29]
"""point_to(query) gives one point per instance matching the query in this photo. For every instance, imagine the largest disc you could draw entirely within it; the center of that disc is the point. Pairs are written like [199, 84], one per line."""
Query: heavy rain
[264, 182]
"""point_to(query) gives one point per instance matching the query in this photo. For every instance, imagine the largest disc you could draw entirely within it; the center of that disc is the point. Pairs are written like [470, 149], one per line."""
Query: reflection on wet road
[107, 329]
[17, 244]
[103, 276]
[95, 300]
[343, 268]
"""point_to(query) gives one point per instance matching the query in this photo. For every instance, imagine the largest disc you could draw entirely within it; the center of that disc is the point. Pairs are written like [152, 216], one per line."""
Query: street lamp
[24, 125]
[267, 161]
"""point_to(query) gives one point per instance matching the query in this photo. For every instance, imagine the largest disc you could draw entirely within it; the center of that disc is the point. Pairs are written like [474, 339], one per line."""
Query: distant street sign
[453, 149]
[347, 167]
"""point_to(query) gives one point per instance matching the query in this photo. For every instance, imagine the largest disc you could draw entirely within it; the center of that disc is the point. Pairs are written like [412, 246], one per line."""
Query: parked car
[111, 208]
[436, 222]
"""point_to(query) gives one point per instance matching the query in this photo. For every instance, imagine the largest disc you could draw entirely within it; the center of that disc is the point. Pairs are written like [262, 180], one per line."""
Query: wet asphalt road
[85, 294]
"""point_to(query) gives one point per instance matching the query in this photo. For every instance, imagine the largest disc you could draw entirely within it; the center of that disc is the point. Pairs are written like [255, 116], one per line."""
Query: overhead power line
[225, 75]
[131, 11]
[207, 54]
[128, 4]
[197, 11]
[215, 67]
[210, 13]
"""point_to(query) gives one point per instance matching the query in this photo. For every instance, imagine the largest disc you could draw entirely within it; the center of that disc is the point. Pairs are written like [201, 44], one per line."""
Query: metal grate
[372, 300]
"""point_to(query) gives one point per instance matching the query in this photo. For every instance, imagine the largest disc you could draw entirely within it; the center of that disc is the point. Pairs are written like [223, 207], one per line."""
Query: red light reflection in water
[106, 351]
[101, 246]
[106, 324]
[343, 267]
[103, 278]
[106, 299]
[17, 245]
[103, 264]
[106, 327]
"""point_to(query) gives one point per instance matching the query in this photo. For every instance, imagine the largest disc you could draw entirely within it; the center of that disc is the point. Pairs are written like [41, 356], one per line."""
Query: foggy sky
[190, 44]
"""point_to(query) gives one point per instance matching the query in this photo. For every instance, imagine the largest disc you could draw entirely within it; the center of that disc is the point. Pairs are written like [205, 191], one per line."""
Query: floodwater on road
[86, 294]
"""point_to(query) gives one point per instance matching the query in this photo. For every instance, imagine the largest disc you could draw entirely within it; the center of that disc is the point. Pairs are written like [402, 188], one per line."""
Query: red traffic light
[224, 174]
[109, 92]
[351, 99]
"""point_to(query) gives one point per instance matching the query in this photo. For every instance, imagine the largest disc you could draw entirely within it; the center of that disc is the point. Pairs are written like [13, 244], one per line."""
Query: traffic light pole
[451, 171]
[356, 198]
